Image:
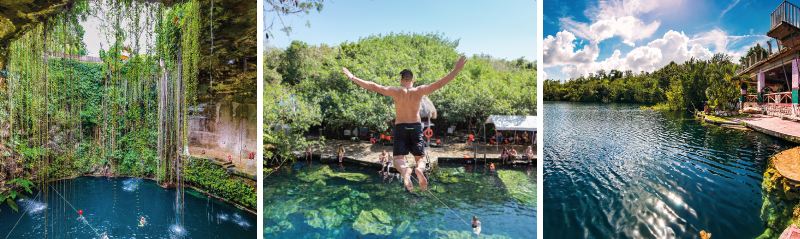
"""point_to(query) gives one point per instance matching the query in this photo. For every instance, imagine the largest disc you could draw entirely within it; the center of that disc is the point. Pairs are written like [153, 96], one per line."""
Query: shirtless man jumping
[408, 125]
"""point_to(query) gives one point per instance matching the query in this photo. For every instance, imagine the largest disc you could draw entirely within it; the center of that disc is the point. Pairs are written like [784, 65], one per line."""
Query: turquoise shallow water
[114, 205]
[329, 201]
[616, 171]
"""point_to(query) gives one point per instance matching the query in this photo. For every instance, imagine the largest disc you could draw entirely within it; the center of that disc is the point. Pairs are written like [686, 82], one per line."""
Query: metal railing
[786, 12]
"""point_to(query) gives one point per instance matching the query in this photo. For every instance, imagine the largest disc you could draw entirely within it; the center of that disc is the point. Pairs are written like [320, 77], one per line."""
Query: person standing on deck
[408, 124]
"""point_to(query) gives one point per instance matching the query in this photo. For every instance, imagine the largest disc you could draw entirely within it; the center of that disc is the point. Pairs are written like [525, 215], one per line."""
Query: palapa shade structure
[426, 108]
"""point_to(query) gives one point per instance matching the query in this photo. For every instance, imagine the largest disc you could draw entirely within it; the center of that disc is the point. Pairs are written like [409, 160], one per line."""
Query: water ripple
[613, 170]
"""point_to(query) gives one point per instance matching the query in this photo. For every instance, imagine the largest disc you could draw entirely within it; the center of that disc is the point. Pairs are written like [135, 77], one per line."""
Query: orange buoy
[428, 133]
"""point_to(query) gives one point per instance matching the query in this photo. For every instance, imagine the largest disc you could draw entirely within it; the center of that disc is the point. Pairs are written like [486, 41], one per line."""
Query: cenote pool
[616, 171]
[115, 205]
[329, 201]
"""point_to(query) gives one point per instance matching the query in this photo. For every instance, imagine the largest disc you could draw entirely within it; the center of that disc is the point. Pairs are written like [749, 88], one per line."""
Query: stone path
[787, 130]
[365, 153]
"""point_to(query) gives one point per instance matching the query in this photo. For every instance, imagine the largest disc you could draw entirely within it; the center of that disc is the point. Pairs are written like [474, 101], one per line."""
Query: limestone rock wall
[224, 128]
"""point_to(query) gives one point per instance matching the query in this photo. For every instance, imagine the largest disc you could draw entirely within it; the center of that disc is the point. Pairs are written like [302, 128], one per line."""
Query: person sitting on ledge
[512, 154]
[384, 159]
[504, 154]
[529, 153]
[309, 151]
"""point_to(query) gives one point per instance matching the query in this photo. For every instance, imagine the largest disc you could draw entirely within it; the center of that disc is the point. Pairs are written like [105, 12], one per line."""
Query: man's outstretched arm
[429, 89]
[383, 90]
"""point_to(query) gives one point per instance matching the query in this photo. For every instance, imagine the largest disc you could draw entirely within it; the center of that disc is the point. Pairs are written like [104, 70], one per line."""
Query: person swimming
[476, 225]
[105, 235]
[142, 222]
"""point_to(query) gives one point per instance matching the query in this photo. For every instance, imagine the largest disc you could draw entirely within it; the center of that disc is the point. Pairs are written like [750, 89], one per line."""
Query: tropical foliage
[66, 117]
[692, 84]
[313, 75]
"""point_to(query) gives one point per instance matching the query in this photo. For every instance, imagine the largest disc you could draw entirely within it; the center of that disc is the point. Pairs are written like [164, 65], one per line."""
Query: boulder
[373, 222]
[519, 186]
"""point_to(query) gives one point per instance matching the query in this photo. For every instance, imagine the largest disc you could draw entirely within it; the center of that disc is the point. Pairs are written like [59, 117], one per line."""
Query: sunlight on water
[617, 171]
[33, 207]
[131, 184]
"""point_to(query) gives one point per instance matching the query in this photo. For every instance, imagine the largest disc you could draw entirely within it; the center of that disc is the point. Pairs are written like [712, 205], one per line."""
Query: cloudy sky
[582, 37]
[503, 29]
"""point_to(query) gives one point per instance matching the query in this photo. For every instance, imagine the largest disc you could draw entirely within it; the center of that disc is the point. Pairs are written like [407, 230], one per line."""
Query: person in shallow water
[408, 124]
[340, 152]
[476, 225]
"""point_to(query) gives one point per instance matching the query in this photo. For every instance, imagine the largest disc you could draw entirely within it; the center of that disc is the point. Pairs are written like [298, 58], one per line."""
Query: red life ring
[428, 133]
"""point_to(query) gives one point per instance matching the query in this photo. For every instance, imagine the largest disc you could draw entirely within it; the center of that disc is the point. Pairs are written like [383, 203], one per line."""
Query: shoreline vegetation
[306, 89]
[692, 84]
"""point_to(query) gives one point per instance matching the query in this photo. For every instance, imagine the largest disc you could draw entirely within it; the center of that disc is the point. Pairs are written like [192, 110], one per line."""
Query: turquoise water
[329, 201]
[115, 205]
[616, 171]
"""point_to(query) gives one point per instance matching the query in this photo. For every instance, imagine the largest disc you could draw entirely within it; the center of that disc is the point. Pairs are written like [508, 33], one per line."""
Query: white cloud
[560, 50]
[673, 46]
[620, 18]
[628, 28]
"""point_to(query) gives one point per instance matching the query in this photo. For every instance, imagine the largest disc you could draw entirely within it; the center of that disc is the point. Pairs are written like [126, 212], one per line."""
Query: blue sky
[502, 29]
[581, 37]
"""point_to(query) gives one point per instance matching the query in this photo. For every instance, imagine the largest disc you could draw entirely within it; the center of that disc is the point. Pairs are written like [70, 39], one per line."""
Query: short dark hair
[406, 75]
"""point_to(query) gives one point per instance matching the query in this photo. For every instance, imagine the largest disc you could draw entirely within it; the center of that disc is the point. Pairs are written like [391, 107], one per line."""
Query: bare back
[406, 104]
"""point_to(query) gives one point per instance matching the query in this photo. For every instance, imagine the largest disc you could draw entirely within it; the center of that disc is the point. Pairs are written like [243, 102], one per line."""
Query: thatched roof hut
[426, 108]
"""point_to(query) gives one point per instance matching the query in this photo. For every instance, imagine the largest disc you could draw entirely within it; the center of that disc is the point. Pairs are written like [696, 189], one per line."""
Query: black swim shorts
[408, 137]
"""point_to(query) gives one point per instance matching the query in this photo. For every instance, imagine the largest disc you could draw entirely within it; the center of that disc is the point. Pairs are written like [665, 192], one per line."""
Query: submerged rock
[313, 219]
[279, 211]
[283, 225]
[780, 201]
[319, 183]
[321, 172]
[324, 172]
[345, 201]
[373, 222]
[357, 177]
[406, 226]
[519, 186]
[436, 233]
[331, 219]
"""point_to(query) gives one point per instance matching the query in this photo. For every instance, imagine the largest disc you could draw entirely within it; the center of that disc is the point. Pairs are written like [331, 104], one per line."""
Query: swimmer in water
[142, 222]
[476, 225]
[105, 235]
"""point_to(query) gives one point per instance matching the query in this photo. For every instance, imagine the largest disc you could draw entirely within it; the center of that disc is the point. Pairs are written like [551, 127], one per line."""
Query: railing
[790, 111]
[751, 98]
[786, 12]
[780, 97]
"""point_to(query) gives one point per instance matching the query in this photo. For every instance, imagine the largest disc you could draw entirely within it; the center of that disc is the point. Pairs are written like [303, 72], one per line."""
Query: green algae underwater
[348, 201]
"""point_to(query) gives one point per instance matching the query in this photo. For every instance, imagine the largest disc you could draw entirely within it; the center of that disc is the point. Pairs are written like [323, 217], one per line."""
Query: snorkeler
[142, 222]
[476, 225]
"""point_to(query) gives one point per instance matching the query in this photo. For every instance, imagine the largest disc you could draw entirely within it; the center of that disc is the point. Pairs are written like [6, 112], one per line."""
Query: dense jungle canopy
[305, 85]
[689, 85]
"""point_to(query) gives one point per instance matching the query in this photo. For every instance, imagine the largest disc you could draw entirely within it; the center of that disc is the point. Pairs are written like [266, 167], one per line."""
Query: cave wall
[224, 128]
